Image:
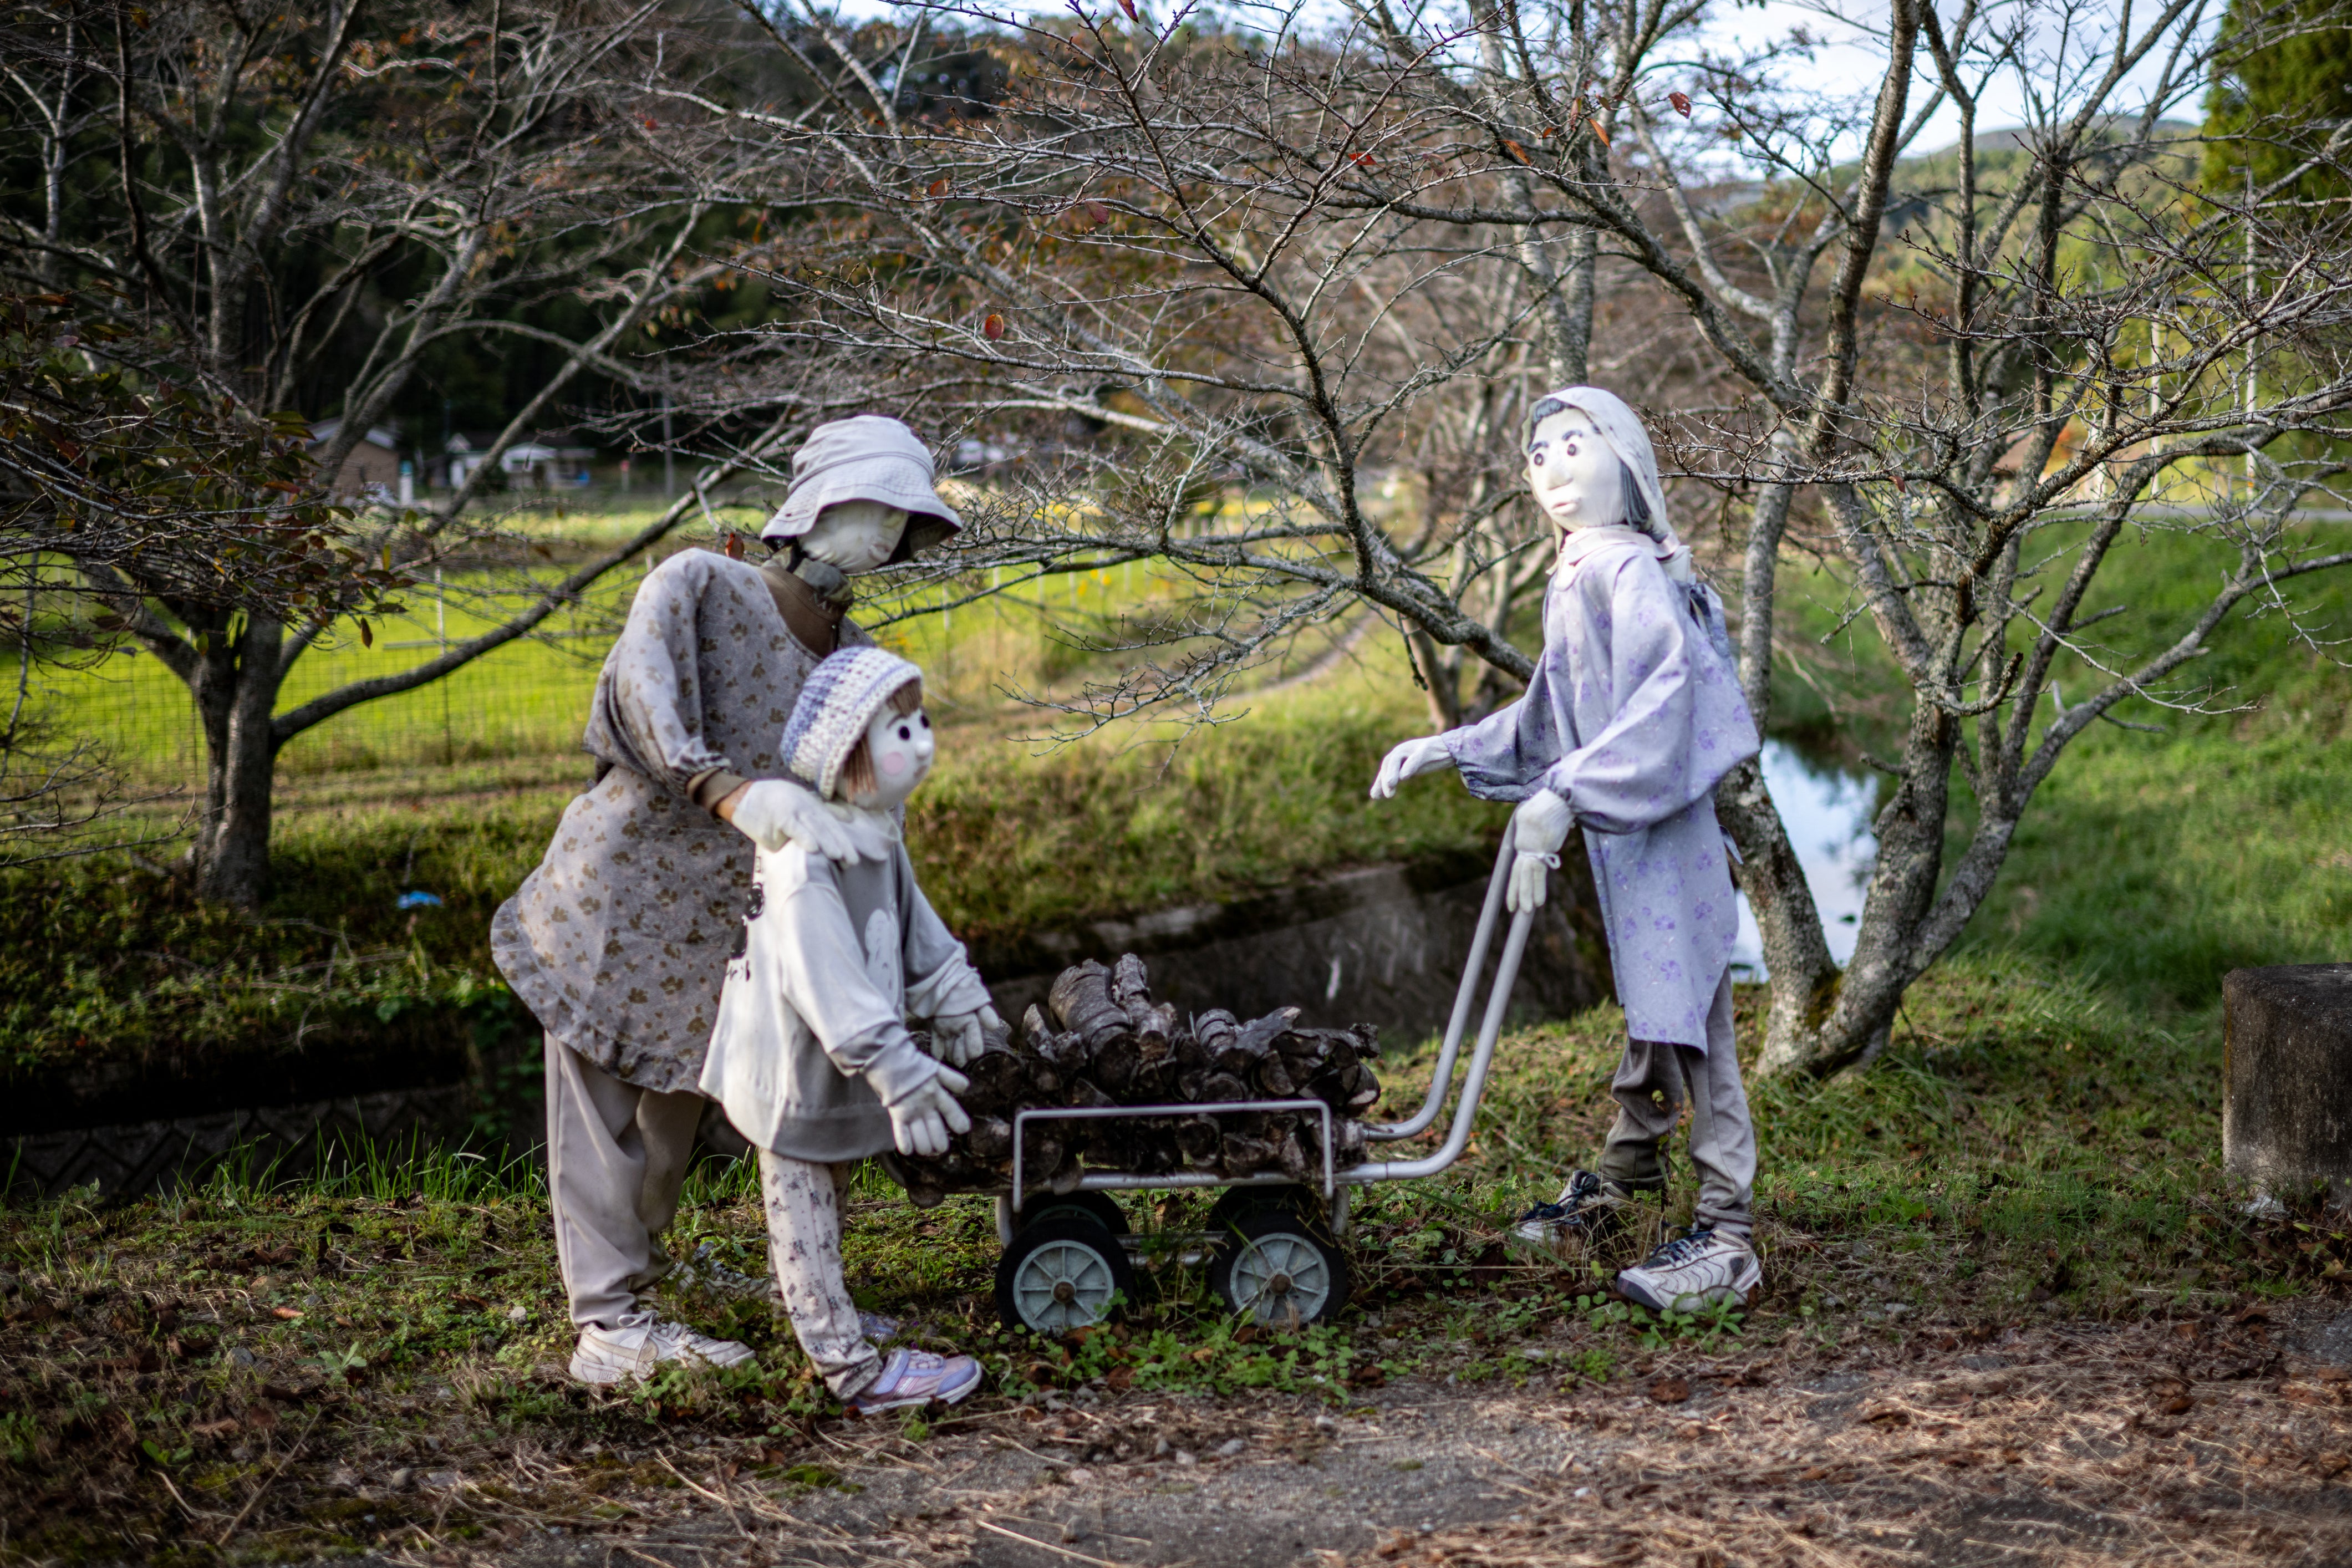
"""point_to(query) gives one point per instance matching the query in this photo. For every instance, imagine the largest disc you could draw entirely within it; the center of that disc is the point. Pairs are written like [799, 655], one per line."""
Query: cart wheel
[1060, 1274]
[1237, 1203]
[1100, 1207]
[1277, 1268]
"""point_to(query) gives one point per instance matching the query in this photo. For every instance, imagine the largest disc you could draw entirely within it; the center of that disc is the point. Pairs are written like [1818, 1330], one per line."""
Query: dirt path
[2179, 1442]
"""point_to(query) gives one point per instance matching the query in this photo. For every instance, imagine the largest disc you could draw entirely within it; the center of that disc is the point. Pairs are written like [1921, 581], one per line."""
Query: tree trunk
[1889, 952]
[1796, 953]
[236, 690]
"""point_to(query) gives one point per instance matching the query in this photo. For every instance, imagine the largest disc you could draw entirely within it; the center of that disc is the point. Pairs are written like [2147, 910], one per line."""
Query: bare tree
[1301, 266]
[301, 205]
[2064, 339]
[105, 471]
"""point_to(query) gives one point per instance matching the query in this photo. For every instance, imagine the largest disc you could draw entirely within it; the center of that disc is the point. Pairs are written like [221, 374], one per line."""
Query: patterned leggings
[805, 1200]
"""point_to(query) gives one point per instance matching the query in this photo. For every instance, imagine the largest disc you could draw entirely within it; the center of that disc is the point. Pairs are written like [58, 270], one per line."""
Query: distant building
[371, 470]
[547, 464]
[463, 460]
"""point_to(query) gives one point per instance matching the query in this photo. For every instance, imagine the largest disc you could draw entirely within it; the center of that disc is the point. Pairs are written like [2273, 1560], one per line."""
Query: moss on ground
[2027, 1150]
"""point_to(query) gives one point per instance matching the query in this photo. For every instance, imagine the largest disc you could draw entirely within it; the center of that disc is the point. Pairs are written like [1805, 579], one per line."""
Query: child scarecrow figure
[1631, 715]
[617, 943]
[812, 1055]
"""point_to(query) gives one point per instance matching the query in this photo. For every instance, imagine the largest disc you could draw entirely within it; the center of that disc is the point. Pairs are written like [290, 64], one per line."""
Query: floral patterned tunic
[618, 941]
[1632, 714]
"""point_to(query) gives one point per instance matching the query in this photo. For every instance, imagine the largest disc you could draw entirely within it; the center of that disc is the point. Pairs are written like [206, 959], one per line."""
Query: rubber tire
[1283, 1232]
[1108, 1272]
[1105, 1209]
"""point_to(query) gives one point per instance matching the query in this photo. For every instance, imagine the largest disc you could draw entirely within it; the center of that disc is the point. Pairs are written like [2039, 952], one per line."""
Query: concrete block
[2286, 1067]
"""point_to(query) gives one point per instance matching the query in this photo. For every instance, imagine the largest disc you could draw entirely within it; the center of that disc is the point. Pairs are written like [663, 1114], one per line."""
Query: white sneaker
[916, 1377]
[641, 1342]
[1701, 1267]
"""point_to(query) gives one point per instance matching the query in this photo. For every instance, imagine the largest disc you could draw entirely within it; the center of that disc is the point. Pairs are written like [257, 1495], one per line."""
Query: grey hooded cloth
[1632, 714]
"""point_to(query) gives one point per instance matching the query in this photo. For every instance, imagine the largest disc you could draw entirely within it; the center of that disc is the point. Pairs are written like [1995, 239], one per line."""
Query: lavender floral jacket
[1632, 714]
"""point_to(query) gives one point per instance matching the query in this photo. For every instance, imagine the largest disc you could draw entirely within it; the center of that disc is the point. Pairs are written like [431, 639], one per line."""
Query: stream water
[1827, 812]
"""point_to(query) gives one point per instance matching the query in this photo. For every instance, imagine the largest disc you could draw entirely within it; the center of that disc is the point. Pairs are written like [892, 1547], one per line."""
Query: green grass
[103, 960]
[2156, 862]
[2028, 1149]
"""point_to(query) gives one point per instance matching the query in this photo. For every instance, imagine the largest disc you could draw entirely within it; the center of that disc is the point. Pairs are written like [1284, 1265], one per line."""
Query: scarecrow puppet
[618, 941]
[812, 1055]
[1632, 714]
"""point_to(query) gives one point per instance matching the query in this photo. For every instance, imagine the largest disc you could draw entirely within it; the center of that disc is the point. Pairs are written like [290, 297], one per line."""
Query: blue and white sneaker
[1701, 1267]
[1587, 1209]
[916, 1377]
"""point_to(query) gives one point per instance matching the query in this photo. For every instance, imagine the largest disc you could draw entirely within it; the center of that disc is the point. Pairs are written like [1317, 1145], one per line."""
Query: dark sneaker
[1701, 1267]
[1587, 1209]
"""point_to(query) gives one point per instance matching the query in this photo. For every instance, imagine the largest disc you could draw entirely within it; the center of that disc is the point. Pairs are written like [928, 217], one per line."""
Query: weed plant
[2027, 1148]
[101, 960]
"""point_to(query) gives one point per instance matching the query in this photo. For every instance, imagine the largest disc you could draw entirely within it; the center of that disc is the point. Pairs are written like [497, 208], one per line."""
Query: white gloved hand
[960, 1036]
[1426, 755]
[923, 1117]
[773, 813]
[1538, 830]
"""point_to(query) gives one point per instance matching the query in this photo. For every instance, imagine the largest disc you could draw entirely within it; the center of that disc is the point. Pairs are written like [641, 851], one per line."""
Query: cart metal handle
[1473, 1083]
[1442, 1079]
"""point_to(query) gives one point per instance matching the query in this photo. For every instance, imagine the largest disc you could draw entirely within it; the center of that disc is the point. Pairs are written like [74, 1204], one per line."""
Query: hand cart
[1068, 1254]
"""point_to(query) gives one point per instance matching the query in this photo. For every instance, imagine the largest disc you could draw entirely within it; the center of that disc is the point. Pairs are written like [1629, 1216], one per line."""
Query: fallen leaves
[1670, 1390]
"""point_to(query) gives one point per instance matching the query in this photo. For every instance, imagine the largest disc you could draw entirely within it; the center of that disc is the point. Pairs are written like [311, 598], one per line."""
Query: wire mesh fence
[529, 697]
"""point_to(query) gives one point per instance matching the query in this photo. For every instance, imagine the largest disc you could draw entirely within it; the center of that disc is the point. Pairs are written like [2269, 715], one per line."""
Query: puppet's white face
[856, 535]
[901, 747]
[1575, 474]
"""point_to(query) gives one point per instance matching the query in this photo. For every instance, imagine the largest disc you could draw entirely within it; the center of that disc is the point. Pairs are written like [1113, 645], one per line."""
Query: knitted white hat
[867, 458]
[840, 698]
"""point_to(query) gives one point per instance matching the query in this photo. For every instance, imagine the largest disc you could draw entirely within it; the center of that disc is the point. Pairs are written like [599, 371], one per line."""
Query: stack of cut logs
[1100, 1040]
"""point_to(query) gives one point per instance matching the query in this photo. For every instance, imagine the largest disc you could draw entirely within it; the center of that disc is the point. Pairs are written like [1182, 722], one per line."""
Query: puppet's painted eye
[1537, 459]
[1570, 450]
[905, 731]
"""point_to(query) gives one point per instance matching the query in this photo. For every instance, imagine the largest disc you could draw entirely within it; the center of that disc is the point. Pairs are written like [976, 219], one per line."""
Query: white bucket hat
[867, 458]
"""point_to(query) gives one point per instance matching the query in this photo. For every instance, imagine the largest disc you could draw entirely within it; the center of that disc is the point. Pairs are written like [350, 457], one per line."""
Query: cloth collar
[1576, 544]
[814, 624]
[874, 834]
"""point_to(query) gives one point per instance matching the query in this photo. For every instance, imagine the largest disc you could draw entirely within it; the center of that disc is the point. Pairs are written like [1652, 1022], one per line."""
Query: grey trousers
[804, 1202]
[1649, 1089]
[616, 1158]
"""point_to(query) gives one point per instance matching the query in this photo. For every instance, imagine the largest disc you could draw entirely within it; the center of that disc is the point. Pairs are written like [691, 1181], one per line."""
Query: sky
[1840, 62]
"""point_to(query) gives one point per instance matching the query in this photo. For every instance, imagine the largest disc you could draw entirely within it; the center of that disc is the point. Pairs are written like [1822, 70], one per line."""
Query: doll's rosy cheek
[894, 763]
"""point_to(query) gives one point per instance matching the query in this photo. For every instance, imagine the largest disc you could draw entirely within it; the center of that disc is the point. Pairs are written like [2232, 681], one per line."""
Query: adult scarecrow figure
[618, 941]
[1631, 715]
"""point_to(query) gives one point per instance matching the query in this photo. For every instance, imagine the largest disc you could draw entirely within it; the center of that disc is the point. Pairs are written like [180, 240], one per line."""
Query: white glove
[1424, 755]
[1538, 830]
[960, 1036]
[922, 1119]
[776, 812]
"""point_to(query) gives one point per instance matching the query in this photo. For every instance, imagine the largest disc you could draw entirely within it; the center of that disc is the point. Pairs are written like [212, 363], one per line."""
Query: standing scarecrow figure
[1632, 714]
[812, 1055]
[618, 941]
